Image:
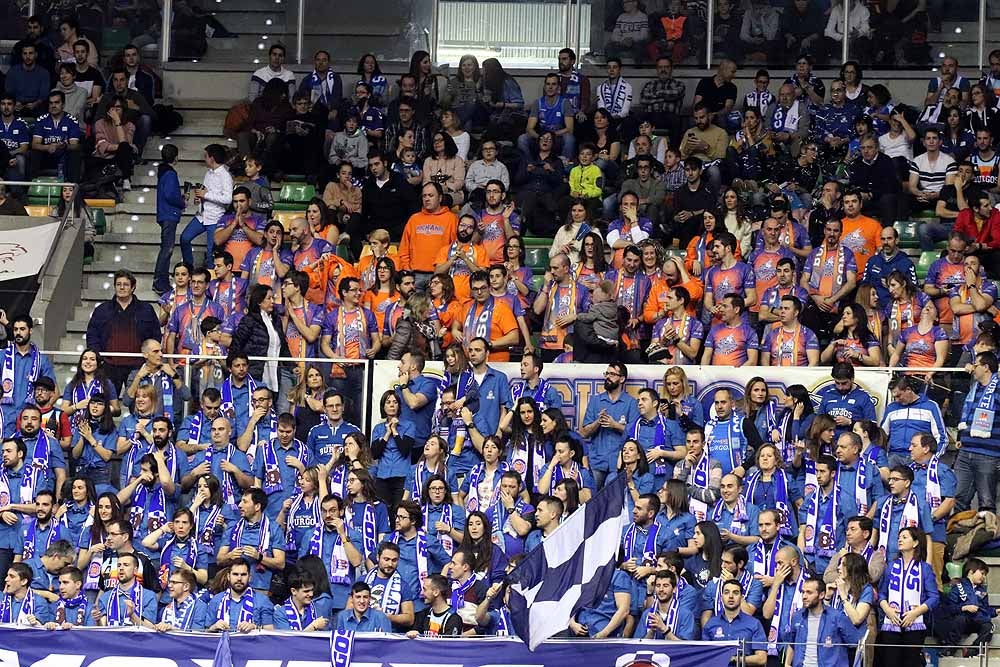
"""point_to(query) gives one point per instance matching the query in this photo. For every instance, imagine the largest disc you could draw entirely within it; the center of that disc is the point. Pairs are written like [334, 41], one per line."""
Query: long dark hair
[77, 202]
[483, 549]
[105, 424]
[562, 426]
[861, 329]
[519, 431]
[316, 568]
[572, 494]
[425, 493]
[99, 528]
[856, 573]
[712, 550]
[99, 373]
[361, 65]
[450, 149]
[600, 261]
[384, 260]
[257, 295]
[326, 218]
[494, 78]
[641, 465]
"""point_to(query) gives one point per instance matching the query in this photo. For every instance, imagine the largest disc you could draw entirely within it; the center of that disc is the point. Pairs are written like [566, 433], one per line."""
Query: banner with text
[128, 648]
[576, 383]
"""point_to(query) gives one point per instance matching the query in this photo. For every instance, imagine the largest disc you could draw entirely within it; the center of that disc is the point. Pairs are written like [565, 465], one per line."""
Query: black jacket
[251, 338]
[879, 178]
[388, 207]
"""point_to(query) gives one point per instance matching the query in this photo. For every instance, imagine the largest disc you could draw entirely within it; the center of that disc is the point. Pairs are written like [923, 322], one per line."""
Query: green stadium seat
[537, 281]
[294, 178]
[907, 233]
[294, 197]
[537, 258]
[100, 221]
[114, 39]
[674, 252]
[927, 258]
[41, 194]
[536, 242]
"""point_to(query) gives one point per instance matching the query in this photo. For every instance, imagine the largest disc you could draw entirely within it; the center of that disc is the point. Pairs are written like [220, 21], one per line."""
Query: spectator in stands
[614, 95]
[860, 234]
[718, 92]
[690, 204]
[114, 137]
[504, 100]
[22, 365]
[631, 32]
[465, 94]
[650, 191]
[980, 223]
[788, 120]
[55, 141]
[303, 140]
[574, 85]
[350, 146]
[481, 171]
[15, 138]
[323, 86]
[540, 186]
[929, 172]
[948, 78]
[972, 302]
[171, 392]
[269, 115]
[985, 162]
[170, 203]
[260, 334]
[76, 97]
[69, 31]
[407, 120]
[888, 260]
[386, 201]
[29, 83]
[875, 175]
[802, 26]
[138, 75]
[446, 169]
[426, 232]
[8, 204]
[213, 198]
[976, 465]
[275, 69]
[910, 412]
[759, 37]
[121, 324]
[38, 25]
[550, 113]
[829, 275]
[859, 29]
[952, 200]
[88, 76]
[726, 30]
[707, 142]
[138, 110]
[662, 97]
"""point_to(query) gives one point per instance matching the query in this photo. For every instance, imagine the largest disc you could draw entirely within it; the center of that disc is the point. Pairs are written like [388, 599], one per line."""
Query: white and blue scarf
[368, 529]
[699, 478]
[7, 609]
[906, 585]
[272, 434]
[821, 531]
[476, 477]
[157, 514]
[422, 572]
[391, 599]
[7, 373]
[796, 603]
[648, 549]
[446, 517]
[246, 607]
[296, 621]
[739, 524]
[339, 568]
[909, 519]
[781, 504]
[31, 532]
[180, 616]
[118, 610]
[228, 406]
[984, 413]
[272, 470]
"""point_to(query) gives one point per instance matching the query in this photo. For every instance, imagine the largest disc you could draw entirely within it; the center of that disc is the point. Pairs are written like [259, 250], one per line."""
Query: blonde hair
[380, 235]
[682, 376]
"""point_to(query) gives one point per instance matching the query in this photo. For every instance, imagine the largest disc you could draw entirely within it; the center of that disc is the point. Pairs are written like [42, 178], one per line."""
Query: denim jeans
[976, 474]
[193, 230]
[168, 237]
[143, 128]
[933, 231]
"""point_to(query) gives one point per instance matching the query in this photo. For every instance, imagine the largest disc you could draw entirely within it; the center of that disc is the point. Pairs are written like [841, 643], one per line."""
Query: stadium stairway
[132, 238]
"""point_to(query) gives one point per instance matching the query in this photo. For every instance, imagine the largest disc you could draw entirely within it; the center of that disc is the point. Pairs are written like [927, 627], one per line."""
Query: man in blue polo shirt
[662, 439]
[902, 508]
[494, 389]
[44, 453]
[417, 395]
[336, 544]
[362, 617]
[254, 540]
[327, 438]
[227, 463]
[733, 625]
[605, 421]
[21, 365]
[239, 608]
[55, 143]
[19, 502]
[15, 138]
[845, 401]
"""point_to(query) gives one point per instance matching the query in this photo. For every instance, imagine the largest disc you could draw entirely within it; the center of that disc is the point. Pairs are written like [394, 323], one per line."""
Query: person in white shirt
[213, 198]
[275, 69]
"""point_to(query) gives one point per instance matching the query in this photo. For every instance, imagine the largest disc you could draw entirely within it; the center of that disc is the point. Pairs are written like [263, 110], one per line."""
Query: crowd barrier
[577, 383]
[25, 647]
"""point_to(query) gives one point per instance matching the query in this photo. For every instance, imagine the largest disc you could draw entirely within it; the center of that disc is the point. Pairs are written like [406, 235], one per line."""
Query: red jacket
[989, 235]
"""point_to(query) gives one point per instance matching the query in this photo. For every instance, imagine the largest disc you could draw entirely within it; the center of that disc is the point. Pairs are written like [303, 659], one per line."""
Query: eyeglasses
[111, 534]
[265, 399]
[896, 479]
[405, 517]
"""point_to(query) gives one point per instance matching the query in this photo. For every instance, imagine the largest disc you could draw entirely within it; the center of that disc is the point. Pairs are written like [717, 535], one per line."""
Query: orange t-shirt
[447, 314]
[377, 302]
[324, 276]
[863, 236]
[659, 289]
[492, 328]
[460, 272]
[424, 236]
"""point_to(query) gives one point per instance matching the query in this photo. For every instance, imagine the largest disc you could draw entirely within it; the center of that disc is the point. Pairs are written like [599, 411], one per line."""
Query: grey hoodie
[604, 315]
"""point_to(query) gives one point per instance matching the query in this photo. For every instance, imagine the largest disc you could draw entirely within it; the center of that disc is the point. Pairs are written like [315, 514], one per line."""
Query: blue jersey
[52, 132]
[14, 134]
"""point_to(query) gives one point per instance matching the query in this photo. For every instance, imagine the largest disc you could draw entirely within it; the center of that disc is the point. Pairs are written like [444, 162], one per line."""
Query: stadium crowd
[761, 235]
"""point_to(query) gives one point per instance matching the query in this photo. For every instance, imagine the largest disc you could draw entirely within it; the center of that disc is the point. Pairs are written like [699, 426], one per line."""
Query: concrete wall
[60, 288]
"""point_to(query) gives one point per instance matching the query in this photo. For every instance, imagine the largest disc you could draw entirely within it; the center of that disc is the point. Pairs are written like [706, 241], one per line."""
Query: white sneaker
[126, 185]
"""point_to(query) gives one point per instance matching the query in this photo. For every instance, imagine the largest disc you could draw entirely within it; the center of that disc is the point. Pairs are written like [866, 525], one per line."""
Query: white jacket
[218, 196]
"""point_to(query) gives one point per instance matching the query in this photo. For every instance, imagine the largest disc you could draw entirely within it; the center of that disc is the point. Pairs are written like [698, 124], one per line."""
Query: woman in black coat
[261, 334]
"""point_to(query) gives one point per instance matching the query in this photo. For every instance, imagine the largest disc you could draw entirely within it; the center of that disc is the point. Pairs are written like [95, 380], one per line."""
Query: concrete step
[247, 48]
[133, 256]
[94, 292]
[254, 21]
[190, 147]
[143, 236]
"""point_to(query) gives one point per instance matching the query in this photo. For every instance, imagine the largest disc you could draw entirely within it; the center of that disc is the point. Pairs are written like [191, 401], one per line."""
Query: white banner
[578, 382]
[23, 251]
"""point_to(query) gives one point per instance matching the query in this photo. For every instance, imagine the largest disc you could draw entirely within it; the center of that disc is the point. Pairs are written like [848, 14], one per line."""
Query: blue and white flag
[223, 654]
[571, 569]
[341, 648]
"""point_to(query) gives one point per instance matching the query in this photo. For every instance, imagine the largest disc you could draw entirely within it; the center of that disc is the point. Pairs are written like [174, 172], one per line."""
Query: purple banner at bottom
[136, 648]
